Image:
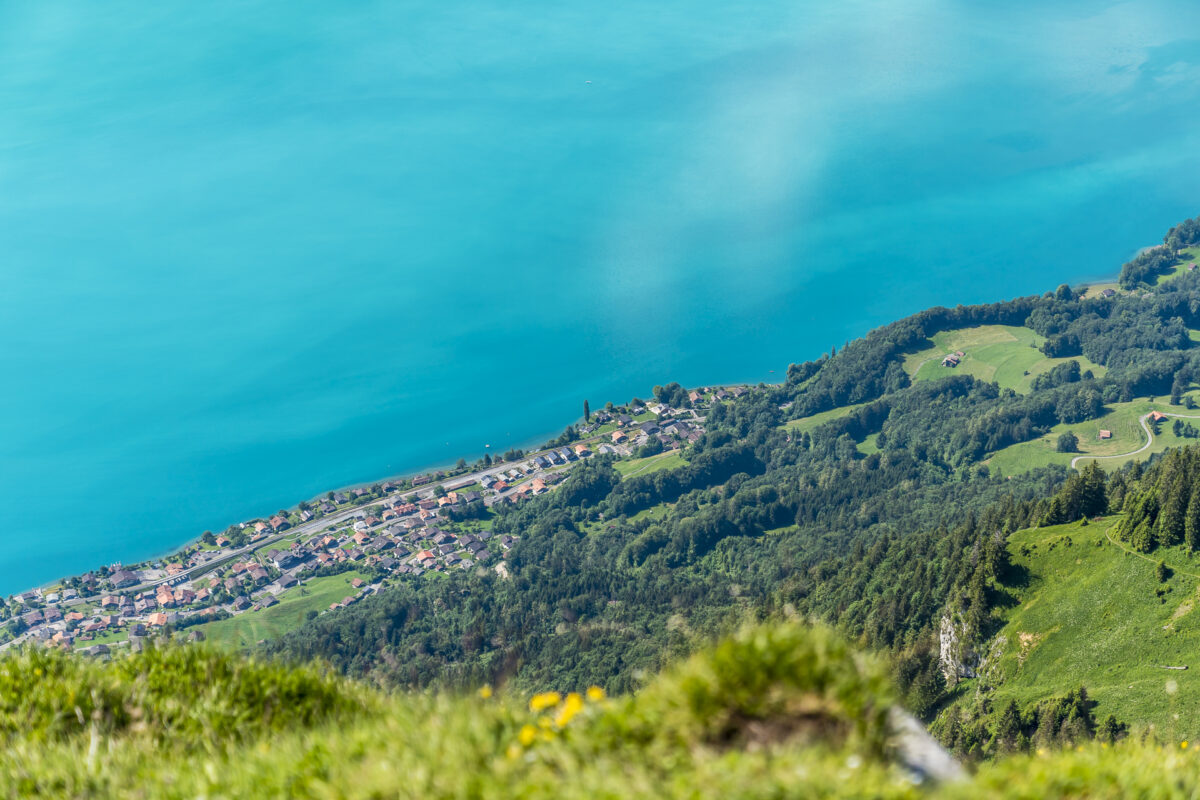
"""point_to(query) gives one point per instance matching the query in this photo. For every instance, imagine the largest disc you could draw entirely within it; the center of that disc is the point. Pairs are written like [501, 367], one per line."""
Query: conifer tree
[1008, 727]
[1142, 538]
[1191, 525]
[1171, 520]
[1047, 727]
[1110, 730]
[952, 732]
[1093, 498]
[1116, 491]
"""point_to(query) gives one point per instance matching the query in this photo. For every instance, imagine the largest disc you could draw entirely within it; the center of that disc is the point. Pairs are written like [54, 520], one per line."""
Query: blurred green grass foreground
[780, 710]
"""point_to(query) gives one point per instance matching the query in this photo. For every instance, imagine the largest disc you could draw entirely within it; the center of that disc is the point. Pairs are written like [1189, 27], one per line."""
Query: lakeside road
[1149, 439]
[519, 473]
[320, 523]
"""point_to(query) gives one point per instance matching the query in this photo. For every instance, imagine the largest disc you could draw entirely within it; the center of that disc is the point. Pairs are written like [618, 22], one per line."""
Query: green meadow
[315, 595]
[1120, 419]
[807, 424]
[645, 466]
[1006, 354]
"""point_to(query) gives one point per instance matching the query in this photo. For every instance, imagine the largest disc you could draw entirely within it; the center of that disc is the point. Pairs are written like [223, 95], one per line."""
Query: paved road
[1149, 439]
[320, 523]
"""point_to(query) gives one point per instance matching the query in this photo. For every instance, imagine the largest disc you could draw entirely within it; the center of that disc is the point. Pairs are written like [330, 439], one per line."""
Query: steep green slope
[1095, 614]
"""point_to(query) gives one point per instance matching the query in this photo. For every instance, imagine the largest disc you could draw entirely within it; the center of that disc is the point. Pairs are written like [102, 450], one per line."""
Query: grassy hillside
[1121, 419]
[1094, 613]
[1006, 354]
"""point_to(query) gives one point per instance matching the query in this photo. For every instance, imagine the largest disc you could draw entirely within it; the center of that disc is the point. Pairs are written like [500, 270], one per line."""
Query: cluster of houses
[400, 539]
[671, 433]
[400, 535]
[52, 619]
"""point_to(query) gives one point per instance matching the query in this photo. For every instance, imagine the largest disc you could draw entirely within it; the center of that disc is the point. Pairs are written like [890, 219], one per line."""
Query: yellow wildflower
[1183, 745]
[485, 692]
[514, 751]
[540, 702]
[570, 707]
[527, 735]
[595, 694]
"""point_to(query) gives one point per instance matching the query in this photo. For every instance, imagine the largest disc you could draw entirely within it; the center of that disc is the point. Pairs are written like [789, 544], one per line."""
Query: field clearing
[294, 604]
[653, 513]
[649, 464]
[1006, 354]
[869, 445]
[1095, 289]
[1089, 616]
[1127, 435]
[807, 424]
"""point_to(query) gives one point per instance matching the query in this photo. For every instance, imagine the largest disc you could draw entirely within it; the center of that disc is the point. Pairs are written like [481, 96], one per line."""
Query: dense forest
[614, 577]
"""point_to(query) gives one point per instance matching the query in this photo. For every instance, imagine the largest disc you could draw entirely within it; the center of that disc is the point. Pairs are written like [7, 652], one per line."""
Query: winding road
[1149, 439]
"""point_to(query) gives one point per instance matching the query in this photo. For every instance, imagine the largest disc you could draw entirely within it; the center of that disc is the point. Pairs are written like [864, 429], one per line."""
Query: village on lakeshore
[345, 545]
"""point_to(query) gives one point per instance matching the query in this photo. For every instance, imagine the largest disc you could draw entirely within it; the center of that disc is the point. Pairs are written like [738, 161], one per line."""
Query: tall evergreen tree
[1191, 525]
[1171, 520]
[1008, 727]
[1093, 499]
[1142, 538]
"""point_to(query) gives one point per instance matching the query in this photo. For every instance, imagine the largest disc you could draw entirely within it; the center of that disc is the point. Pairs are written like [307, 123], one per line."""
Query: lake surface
[253, 251]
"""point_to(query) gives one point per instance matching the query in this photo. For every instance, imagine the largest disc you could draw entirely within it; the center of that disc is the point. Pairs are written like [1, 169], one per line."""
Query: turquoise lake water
[253, 251]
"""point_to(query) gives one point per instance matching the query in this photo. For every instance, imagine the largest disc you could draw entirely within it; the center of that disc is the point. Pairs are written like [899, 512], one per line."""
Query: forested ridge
[614, 577]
